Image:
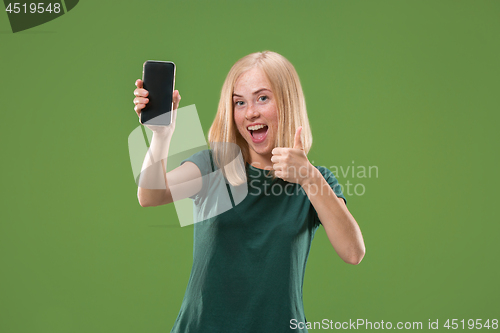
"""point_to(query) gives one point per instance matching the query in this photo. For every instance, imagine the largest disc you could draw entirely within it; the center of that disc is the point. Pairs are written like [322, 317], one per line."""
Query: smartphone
[158, 79]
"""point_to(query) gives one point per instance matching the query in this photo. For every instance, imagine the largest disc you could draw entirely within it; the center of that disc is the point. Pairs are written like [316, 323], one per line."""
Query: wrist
[312, 177]
[161, 131]
[159, 145]
[160, 135]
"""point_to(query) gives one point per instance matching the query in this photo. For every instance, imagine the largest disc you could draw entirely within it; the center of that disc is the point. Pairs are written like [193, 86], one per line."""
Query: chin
[261, 150]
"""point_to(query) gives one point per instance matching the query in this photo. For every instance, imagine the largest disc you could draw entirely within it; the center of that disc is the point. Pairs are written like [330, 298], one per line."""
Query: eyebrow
[254, 93]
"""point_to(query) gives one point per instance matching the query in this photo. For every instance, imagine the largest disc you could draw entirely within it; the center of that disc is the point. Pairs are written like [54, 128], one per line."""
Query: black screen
[158, 78]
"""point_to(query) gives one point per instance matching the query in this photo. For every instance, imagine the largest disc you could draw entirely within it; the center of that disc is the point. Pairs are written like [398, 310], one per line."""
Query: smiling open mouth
[258, 132]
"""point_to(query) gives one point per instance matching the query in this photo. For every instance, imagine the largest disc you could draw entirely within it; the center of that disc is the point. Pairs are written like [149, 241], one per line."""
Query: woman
[249, 261]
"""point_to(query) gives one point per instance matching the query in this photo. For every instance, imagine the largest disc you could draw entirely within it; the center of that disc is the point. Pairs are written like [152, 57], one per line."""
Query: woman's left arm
[340, 226]
[292, 165]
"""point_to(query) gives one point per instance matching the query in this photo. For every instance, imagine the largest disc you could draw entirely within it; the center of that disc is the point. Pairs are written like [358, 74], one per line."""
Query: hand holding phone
[141, 100]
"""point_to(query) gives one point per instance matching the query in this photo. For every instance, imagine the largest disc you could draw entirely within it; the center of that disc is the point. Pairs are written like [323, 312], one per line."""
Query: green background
[408, 86]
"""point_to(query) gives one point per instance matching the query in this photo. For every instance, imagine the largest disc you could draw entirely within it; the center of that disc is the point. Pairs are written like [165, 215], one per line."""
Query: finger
[141, 92]
[275, 159]
[141, 100]
[277, 151]
[138, 109]
[298, 140]
[176, 98]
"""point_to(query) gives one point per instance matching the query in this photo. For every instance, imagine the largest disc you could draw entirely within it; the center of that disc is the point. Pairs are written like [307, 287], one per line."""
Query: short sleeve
[203, 161]
[334, 185]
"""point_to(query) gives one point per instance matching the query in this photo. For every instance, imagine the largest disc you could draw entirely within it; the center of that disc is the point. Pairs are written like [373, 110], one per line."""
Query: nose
[251, 112]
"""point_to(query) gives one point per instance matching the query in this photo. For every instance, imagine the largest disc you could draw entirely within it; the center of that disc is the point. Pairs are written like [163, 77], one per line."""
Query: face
[256, 114]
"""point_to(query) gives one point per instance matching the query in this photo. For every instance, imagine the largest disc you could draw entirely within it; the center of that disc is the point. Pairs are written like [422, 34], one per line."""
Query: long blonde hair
[292, 113]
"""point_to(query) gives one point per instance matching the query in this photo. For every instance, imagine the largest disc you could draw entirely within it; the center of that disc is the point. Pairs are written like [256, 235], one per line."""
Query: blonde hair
[290, 102]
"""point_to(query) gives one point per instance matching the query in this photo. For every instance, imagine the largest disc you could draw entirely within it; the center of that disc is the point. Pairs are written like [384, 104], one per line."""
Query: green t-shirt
[249, 262]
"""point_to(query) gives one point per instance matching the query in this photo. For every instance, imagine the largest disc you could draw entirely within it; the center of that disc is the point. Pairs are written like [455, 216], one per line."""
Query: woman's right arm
[156, 187]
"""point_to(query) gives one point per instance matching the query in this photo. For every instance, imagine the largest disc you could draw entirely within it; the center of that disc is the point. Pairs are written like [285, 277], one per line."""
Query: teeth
[255, 127]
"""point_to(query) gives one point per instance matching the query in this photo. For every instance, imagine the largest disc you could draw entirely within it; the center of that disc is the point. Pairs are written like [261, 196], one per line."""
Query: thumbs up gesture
[291, 164]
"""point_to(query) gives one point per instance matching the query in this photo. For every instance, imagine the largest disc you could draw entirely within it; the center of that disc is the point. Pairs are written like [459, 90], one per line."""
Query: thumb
[298, 140]
[176, 97]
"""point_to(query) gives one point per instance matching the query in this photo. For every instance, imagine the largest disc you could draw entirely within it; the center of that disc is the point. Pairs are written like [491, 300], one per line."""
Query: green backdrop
[407, 87]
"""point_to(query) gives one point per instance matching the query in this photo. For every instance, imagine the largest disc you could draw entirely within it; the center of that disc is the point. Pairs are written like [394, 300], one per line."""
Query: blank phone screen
[158, 78]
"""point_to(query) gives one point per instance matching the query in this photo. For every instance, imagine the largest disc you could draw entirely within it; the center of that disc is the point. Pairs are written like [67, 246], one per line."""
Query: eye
[239, 103]
[263, 98]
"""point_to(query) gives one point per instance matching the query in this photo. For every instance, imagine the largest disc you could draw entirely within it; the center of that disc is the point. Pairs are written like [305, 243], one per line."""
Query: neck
[261, 161]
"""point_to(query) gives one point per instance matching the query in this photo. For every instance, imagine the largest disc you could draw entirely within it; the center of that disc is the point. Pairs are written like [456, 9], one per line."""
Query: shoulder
[332, 181]
[202, 154]
[325, 172]
[202, 159]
